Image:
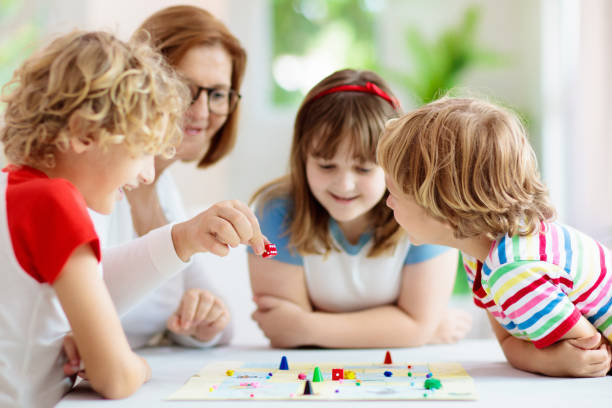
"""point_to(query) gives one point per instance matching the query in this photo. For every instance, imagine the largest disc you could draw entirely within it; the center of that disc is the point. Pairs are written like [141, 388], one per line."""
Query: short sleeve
[529, 295]
[48, 220]
[274, 221]
[421, 253]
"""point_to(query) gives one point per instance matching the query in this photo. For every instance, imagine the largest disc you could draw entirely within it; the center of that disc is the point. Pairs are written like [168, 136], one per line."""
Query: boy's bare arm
[585, 357]
[112, 368]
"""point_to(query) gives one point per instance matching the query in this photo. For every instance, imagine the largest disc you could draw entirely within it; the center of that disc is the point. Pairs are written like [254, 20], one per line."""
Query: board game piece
[301, 376]
[432, 383]
[316, 376]
[308, 388]
[284, 365]
[388, 373]
[388, 358]
[337, 374]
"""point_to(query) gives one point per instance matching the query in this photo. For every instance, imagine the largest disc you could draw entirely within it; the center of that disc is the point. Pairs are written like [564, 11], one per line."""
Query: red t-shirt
[47, 220]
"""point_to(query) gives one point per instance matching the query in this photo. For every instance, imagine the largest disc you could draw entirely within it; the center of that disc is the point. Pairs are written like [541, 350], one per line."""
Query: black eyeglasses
[220, 101]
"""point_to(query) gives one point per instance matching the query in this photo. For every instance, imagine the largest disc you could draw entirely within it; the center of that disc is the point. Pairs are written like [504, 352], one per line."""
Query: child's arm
[112, 368]
[134, 269]
[279, 279]
[566, 358]
[284, 312]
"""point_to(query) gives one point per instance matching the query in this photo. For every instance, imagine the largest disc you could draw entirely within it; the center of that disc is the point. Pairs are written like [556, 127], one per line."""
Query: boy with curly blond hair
[84, 118]
[462, 173]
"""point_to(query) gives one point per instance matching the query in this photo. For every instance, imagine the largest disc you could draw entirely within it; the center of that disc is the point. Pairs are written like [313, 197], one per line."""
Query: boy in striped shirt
[461, 173]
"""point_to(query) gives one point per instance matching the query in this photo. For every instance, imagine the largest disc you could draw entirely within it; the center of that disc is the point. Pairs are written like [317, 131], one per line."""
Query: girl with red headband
[345, 274]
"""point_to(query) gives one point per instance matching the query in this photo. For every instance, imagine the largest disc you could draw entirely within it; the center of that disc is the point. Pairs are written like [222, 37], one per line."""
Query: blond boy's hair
[112, 91]
[469, 163]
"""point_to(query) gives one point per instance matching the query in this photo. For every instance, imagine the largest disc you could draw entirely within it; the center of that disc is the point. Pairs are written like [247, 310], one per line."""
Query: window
[18, 35]
[313, 38]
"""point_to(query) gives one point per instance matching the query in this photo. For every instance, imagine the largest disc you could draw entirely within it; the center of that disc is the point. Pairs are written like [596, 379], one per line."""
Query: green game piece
[409, 374]
[433, 384]
[316, 376]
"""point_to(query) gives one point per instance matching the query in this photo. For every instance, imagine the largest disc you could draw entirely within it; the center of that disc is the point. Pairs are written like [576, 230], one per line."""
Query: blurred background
[549, 60]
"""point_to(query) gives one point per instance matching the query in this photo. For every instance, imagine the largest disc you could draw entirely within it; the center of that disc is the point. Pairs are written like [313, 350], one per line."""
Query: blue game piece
[388, 373]
[429, 375]
[284, 365]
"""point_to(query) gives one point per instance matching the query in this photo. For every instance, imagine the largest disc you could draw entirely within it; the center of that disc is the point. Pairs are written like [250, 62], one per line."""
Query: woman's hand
[200, 314]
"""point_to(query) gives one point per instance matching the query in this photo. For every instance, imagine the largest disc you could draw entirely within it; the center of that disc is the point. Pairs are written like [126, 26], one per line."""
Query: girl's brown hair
[321, 125]
[174, 31]
[469, 163]
[118, 93]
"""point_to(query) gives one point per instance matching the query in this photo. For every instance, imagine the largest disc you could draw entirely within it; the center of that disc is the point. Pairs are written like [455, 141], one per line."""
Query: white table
[497, 384]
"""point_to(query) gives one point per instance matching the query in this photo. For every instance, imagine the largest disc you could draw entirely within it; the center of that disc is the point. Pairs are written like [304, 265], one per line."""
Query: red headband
[368, 88]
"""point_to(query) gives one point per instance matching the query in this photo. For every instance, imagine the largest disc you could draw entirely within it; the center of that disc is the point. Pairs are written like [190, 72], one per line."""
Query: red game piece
[270, 251]
[337, 374]
[388, 358]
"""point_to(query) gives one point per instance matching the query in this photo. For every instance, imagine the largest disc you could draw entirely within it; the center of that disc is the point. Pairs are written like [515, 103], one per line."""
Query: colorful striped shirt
[538, 286]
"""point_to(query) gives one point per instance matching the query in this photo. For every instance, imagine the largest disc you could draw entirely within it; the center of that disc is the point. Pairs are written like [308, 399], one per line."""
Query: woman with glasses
[211, 61]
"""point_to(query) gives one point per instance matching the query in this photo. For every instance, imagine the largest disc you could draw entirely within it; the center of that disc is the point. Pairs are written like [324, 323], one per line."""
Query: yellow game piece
[229, 373]
[349, 375]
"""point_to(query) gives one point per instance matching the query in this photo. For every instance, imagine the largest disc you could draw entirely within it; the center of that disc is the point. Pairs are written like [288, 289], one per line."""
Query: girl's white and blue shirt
[345, 280]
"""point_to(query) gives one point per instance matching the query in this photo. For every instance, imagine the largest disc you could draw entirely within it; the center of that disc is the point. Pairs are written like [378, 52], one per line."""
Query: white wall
[589, 164]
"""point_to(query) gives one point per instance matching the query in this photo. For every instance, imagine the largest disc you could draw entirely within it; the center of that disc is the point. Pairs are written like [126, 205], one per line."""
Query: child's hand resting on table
[453, 327]
[72, 366]
[200, 314]
[583, 357]
[282, 321]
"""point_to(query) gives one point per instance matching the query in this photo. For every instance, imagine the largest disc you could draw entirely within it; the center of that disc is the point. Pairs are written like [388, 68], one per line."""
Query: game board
[242, 380]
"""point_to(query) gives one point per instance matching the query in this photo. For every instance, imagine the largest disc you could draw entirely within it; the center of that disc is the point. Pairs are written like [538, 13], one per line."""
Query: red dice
[270, 251]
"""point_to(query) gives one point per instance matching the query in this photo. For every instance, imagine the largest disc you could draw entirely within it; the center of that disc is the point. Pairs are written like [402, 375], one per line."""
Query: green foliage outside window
[325, 34]
[18, 36]
[439, 65]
